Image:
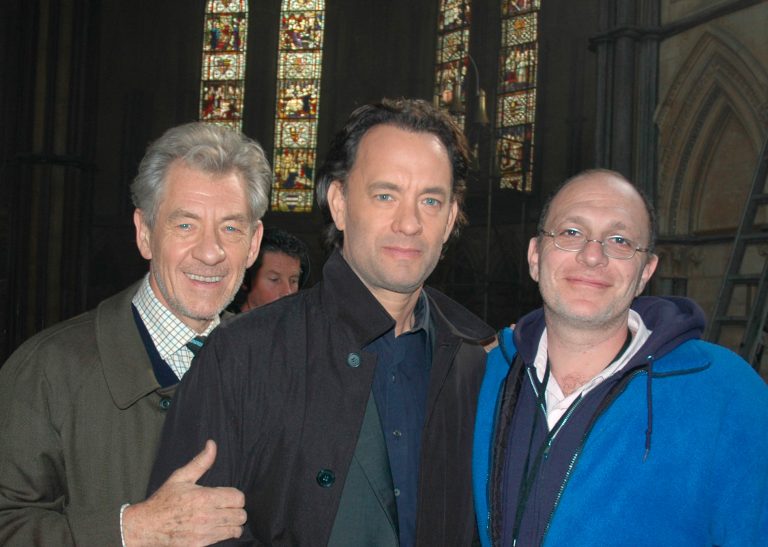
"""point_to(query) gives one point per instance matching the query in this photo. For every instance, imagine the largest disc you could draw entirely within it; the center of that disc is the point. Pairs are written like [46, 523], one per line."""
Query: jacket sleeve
[33, 474]
[739, 469]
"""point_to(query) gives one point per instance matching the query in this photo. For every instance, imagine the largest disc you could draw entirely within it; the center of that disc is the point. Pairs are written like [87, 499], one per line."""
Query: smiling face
[587, 289]
[396, 209]
[202, 242]
[277, 277]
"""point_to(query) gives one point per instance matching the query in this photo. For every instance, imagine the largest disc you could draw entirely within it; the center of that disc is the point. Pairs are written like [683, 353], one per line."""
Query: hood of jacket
[672, 320]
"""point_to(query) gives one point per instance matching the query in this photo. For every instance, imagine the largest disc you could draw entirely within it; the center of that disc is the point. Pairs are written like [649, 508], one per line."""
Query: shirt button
[397, 491]
[165, 403]
[397, 433]
[393, 378]
[353, 360]
[325, 478]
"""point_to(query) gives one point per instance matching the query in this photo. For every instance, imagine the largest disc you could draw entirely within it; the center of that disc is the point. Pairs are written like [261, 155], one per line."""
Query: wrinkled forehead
[600, 201]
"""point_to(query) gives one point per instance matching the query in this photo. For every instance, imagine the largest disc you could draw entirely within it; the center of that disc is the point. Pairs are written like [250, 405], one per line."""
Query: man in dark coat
[82, 404]
[345, 412]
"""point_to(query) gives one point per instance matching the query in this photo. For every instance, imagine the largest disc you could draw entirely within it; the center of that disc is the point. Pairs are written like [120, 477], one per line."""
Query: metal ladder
[740, 322]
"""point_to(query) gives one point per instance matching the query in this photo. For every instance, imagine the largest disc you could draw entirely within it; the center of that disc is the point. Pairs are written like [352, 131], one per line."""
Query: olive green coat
[80, 420]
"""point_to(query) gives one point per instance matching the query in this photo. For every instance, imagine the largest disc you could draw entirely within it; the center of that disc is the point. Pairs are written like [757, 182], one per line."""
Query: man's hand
[183, 513]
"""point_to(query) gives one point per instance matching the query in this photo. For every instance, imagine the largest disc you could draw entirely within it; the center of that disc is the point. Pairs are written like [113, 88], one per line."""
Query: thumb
[197, 466]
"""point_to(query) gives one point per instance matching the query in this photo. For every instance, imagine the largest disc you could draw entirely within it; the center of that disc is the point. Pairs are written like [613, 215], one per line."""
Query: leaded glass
[224, 6]
[300, 65]
[516, 7]
[452, 56]
[300, 51]
[223, 71]
[516, 94]
[520, 29]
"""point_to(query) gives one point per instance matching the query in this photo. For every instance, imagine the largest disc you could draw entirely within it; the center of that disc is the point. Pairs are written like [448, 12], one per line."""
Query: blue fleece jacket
[680, 457]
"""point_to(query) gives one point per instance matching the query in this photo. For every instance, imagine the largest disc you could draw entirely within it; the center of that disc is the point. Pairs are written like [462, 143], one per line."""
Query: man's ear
[253, 252]
[143, 235]
[645, 276]
[533, 258]
[337, 203]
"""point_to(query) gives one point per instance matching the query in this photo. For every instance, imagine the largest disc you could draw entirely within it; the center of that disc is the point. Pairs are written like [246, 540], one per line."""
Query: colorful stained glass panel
[299, 66]
[302, 31]
[223, 67]
[222, 84]
[227, 6]
[452, 56]
[516, 7]
[520, 29]
[222, 102]
[299, 70]
[516, 94]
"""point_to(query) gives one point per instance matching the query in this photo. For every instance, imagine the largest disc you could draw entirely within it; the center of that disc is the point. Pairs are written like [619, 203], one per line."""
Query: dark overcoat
[283, 390]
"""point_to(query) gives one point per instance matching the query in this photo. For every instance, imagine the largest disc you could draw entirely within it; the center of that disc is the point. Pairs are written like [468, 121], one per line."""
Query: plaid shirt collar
[168, 332]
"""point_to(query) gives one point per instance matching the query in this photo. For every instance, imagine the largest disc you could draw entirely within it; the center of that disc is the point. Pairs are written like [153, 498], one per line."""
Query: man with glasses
[603, 418]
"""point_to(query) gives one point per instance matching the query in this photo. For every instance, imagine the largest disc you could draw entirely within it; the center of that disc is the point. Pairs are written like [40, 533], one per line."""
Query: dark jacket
[80, 419]
[283, 391]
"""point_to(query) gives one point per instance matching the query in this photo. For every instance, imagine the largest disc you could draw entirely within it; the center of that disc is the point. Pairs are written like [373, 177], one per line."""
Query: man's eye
[231, 229]
[571, 232]
[620, 241]
[432, 202]
[384, 197]
[185, 226]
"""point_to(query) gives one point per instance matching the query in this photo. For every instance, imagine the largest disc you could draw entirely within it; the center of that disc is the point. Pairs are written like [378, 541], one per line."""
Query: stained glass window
[516, 97]
[300, 55]
[223, 76]
[452, 56]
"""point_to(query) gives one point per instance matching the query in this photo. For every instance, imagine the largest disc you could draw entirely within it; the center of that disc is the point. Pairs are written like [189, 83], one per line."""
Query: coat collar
[127, 369]
[349, 300]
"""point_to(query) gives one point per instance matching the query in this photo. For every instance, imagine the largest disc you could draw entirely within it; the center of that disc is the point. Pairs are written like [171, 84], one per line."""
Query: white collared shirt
[556, 401]
[169, 334]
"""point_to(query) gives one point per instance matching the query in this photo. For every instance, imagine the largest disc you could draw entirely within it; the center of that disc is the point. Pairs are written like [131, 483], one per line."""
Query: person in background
[604, 419]
[82, 403]
[281, 268]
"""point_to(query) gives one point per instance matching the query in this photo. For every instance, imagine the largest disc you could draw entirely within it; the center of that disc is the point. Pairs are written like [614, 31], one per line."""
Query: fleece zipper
[612, 395]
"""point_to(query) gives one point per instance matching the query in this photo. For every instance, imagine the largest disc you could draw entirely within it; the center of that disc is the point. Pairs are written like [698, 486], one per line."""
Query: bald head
[603, 184]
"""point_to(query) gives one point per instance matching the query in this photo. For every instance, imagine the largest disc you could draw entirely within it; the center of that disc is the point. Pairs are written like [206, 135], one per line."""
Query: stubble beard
[180, 309]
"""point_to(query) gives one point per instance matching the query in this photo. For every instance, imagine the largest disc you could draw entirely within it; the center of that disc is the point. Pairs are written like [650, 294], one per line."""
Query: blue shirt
[400, 388]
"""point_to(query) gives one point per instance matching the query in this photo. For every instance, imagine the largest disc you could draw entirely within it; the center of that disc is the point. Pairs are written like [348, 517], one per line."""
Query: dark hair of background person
[275, 240]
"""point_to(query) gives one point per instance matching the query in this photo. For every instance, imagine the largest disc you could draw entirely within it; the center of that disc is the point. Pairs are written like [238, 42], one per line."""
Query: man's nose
[593, 253]
[407, 218]
[209, 249]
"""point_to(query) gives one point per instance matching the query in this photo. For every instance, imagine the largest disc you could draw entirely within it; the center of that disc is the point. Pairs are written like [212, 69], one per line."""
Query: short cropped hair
[649, 209]
[209, 148]
[414, 115]
[276, 240]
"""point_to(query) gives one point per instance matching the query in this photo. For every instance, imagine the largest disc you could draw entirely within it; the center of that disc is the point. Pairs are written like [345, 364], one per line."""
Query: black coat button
[353, 360]
[165, 403]
[325, 478]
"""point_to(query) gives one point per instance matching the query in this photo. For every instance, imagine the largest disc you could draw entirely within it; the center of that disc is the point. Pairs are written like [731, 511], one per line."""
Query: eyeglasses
[574, 241]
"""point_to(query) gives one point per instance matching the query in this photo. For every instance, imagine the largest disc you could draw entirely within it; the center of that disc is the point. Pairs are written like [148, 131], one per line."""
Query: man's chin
[200, 314]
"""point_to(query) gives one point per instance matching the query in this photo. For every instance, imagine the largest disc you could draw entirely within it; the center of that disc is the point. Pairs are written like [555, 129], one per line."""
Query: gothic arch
[718, 99]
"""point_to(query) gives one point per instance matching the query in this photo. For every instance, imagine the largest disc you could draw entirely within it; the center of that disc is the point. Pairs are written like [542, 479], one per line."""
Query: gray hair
[210, 148]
